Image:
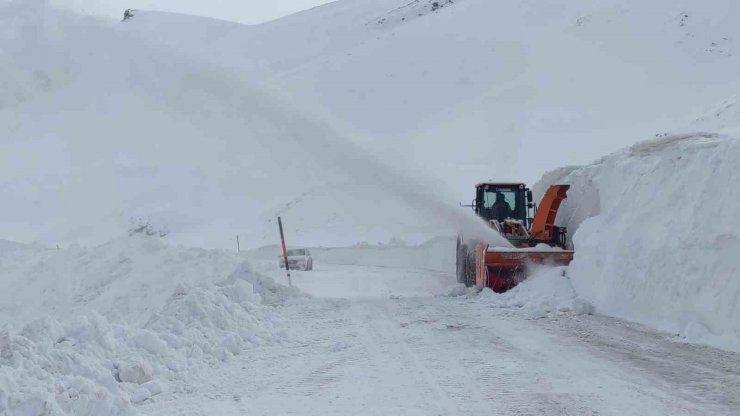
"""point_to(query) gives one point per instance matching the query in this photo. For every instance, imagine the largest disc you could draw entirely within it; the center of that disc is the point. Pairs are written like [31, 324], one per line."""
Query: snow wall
[657, 234]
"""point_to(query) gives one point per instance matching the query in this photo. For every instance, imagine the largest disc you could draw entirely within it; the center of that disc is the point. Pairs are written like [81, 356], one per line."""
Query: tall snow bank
[657, 234]
[93, 367]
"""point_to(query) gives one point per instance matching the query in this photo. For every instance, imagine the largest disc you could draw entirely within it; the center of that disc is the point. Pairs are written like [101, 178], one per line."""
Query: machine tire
[470, 269]
[465, 263]
[461, 263]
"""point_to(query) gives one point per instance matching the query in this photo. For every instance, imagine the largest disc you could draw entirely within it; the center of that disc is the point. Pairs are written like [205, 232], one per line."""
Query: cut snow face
[656, 235]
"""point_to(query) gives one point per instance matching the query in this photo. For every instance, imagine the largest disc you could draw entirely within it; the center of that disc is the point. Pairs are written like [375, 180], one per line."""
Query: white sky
[244, 11]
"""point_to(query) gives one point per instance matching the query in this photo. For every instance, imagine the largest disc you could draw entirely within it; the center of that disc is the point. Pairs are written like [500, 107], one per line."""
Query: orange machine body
[542, 243]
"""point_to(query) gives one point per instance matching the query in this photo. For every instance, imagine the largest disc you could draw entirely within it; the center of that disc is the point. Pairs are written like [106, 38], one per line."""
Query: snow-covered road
[432, 355]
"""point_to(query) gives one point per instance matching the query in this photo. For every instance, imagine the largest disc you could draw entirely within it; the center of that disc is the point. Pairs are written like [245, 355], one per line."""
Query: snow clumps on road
[545, 292]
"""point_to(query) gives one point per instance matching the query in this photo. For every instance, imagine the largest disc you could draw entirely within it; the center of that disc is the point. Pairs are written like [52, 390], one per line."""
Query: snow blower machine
[506, 207]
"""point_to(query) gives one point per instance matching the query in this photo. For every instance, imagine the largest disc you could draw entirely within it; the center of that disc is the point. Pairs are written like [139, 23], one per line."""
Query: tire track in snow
[463, 357]
[440, 356]
[695, 372]
[392, 344]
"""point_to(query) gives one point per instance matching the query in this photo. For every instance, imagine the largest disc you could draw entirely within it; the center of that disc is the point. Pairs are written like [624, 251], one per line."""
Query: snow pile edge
[656, 232]
[93, 367]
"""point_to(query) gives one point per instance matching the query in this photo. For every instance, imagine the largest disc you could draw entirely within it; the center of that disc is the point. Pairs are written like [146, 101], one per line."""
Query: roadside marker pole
[238, 248]
[285, 250]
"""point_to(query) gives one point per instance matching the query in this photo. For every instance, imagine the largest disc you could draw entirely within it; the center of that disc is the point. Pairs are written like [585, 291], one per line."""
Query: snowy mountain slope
[488, 89]
[655, 230]
[160, 119]
[128, 132]
[723, 118]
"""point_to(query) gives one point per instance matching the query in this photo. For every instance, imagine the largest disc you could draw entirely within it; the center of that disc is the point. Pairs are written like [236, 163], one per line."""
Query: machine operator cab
[506, 207]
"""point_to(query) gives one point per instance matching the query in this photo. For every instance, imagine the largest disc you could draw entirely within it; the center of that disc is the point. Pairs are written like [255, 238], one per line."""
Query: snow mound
[656, 234]
[547, 290]
[93, 367]
[456, 290]
[270, 291]
[126, 279]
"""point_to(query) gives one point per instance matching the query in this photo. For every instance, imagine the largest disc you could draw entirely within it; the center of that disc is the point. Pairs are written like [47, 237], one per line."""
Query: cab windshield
[501, 202]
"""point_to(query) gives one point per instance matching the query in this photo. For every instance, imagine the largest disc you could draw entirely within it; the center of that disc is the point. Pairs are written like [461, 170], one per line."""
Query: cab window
[489, 197]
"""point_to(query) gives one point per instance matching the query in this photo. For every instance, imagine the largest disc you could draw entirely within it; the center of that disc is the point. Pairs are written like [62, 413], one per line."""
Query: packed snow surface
[243, 344]
[418, 355]
[656, 234]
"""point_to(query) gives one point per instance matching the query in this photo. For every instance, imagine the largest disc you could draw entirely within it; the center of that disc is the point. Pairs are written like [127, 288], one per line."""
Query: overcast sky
[243, 11]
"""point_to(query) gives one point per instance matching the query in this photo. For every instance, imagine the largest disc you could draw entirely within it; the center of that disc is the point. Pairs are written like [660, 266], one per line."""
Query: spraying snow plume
[133, 133]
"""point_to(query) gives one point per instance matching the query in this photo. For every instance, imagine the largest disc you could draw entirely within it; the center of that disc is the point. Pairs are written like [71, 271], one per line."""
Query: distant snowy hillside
[205, 129]
[473, 89]
[103, 133]
[656, 234]
[723, 118]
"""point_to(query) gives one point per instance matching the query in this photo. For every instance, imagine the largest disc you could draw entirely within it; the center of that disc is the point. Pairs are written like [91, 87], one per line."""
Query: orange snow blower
[506, 207]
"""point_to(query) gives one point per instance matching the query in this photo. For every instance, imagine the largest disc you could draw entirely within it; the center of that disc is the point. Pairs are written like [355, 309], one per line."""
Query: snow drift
[88, 364]
[126, 279]
[656, 234]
